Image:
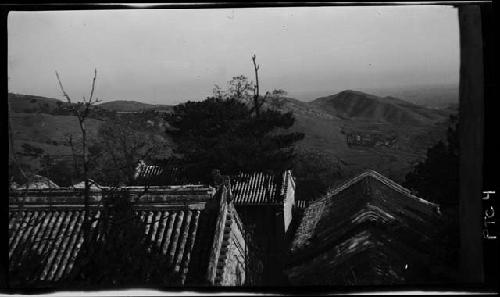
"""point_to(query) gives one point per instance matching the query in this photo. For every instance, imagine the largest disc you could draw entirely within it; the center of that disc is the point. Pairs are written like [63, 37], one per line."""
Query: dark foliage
[224, 134]
[122, 142]
[437, 179]
[63, 172]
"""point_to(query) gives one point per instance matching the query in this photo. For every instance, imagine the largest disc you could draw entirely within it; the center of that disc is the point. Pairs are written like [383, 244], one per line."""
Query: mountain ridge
[358, 105]
[131, 106]
[327, 127]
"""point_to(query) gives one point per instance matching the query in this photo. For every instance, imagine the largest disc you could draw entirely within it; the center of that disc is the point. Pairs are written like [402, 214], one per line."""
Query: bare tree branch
[93, 86]
[62, 88]
[257, 103]
[82, 116]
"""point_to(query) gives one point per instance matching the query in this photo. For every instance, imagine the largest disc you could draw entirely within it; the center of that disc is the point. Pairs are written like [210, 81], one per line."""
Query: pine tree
[224, 134]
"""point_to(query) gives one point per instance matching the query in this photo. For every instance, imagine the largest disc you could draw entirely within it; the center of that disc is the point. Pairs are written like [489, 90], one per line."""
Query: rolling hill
[32, 103]
[327, 123]
[40, 124]
[431, 96]
[132, 106]
[357, 105]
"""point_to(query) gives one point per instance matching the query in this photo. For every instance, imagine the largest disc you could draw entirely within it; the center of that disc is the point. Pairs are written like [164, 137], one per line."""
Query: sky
[167, 56]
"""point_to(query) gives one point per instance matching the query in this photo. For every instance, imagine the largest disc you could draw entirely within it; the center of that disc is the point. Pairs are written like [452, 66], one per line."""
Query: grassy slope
[48, 132]
[131, 106]
[31, 103]
[321, 124]
[358, 105]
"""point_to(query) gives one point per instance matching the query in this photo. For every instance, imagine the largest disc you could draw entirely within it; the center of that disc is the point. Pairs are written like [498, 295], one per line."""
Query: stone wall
[234, 272]
[289, 202]
[215, 265]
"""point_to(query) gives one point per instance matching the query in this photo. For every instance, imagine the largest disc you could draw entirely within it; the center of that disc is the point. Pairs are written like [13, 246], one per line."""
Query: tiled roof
[55, 236]
[369, 224]
[388, 182]
[174, 231]
[301, 204]
[259, 188]
[147, 171]
[247, 188]
[53, 231]
[159, 175]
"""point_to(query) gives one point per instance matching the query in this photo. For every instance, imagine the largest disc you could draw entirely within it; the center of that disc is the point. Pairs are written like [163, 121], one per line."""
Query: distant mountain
[328, 121]
[356, 105]
[132, 106]
[432, 96]
[35, 104]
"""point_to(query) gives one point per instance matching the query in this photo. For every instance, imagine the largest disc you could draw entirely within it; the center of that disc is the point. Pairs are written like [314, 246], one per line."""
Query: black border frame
[485, 134]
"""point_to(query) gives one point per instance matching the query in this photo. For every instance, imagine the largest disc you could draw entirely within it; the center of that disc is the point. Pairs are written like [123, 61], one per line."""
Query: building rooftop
[362, 232]
[260, 188]
[247, 188]
[179, 220]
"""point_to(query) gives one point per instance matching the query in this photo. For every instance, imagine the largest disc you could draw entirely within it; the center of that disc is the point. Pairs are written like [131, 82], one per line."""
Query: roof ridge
[74, 196]
[383, 179]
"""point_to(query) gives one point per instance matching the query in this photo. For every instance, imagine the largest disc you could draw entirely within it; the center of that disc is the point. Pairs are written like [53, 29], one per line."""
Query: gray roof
[369, 223]
[260, 188]
[179, 220]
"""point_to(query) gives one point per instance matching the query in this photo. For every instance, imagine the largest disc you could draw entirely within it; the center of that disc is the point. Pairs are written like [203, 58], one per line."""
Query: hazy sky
[170, 56]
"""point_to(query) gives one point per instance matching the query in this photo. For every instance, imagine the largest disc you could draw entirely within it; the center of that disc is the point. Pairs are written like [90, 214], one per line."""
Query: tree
[437, 179]
[62, 172]
[223, 134]
[239, 87]
[81, 111]
[232, 132]
[120, 144]
[257, 100]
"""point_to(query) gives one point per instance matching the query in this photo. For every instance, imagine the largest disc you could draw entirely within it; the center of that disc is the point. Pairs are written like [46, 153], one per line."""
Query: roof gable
[368, 197]
[382, 179]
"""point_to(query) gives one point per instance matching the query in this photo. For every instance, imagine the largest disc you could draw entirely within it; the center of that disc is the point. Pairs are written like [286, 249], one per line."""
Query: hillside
[357, 105]
[432, 96]
[47, 133]
[398, 132]
[327, 123]
[41, 126]
[32, 103]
